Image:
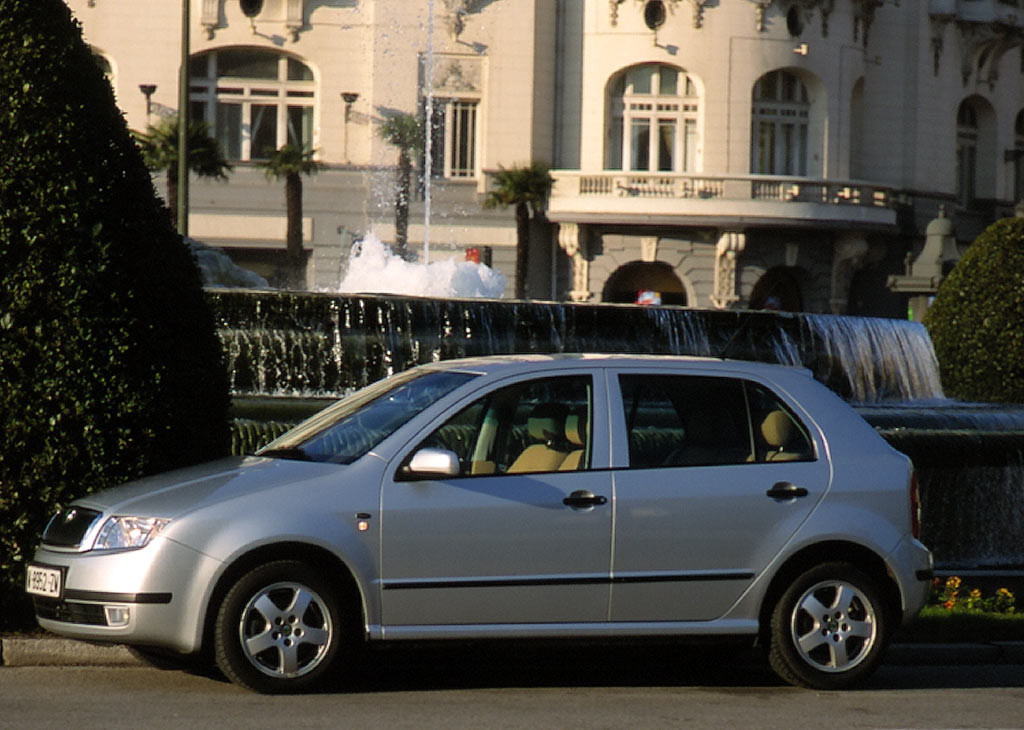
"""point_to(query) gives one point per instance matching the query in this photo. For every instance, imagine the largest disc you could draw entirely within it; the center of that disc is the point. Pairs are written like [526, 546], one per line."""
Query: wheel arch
[862, 558]
[329, 564]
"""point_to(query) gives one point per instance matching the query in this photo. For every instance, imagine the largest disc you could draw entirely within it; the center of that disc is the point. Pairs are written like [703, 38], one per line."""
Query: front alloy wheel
[278, 629]
[828, 630]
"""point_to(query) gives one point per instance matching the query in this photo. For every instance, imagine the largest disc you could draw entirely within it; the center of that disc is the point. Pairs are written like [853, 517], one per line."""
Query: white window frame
[456, 154]
[249, 94]
[639, 115]
[780, 126]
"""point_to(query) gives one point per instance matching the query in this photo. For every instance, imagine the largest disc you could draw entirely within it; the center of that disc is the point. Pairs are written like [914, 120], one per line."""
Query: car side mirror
[434, 462]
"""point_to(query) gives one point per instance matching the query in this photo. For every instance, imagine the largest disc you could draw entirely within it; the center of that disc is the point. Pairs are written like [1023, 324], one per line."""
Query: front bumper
[154, 596]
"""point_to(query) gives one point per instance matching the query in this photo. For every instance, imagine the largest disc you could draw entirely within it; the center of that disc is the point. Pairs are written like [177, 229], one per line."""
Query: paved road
[532, 689]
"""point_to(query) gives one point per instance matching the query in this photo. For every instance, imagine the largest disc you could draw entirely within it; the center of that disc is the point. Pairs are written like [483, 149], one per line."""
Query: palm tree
[406, 132]
[159, 146]
[526, 188]
[291, 163]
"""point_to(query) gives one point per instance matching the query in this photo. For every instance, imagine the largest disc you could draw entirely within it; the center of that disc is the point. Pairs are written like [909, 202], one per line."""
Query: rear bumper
[915, 575]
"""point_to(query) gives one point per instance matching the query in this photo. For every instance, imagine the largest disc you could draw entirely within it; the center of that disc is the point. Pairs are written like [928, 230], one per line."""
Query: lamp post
[349, 97]
[183, 83]
[148, 90]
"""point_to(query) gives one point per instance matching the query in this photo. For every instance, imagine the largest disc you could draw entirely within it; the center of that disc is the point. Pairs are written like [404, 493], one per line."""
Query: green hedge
[977, 319]
[109, 364]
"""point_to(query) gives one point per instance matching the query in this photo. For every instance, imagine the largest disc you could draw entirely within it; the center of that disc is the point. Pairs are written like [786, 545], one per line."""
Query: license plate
[43, 581]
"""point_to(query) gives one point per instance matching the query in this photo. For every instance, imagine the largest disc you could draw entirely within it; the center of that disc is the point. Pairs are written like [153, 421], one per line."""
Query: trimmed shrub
[109, 365]
[977, 319]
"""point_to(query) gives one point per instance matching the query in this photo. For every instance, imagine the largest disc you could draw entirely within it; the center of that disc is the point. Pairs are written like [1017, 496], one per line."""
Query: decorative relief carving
[698, 12]
[209, 17]
[863, 17]
[938, 25]
[613, 7]
[572, 237]
[457, 12]
[295, 18]
[649, 249]
[760, 8]
[457, 74]
[729, 246]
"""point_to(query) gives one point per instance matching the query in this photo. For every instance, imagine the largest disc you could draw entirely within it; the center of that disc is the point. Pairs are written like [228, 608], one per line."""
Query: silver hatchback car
[574, 496]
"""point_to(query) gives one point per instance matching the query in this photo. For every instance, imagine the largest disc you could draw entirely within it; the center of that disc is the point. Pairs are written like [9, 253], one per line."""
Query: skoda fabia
[512, 497]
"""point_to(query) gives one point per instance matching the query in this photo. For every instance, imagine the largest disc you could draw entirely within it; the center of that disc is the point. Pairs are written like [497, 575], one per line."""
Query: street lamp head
[349, 97]
[147, 89]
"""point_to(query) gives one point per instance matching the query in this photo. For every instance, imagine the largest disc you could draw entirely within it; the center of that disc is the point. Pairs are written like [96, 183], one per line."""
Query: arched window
[1018, 158]
[255, 100]
[966, 153]
[653, 120]
[781, 109]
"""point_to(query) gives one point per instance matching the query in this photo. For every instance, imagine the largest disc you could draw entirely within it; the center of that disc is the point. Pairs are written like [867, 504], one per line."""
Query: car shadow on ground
[506, 665]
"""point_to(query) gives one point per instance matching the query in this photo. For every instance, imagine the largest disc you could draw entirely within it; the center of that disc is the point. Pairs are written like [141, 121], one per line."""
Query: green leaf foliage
[110, 367]
[977, 319]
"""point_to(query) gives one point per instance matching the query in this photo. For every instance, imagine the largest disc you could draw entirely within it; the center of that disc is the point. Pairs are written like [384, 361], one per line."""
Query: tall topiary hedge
[977, 320]
[109, 363]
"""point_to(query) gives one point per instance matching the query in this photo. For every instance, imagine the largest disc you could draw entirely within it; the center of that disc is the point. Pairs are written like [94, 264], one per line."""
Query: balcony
[631, 198]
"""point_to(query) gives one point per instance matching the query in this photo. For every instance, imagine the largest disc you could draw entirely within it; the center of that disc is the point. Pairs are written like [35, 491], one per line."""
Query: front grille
[68, 528]
[66, 612]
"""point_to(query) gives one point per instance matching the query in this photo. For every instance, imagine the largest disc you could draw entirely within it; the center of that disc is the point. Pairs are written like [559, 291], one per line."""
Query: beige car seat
[778, 430]
[576, 435]
[546, 427]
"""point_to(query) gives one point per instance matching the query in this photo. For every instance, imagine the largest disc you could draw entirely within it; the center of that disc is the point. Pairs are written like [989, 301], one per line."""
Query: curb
[46, 651]
[15, 652]
[993, 652]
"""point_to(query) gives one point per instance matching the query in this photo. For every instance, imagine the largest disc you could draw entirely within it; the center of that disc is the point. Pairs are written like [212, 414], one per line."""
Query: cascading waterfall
[970, 459]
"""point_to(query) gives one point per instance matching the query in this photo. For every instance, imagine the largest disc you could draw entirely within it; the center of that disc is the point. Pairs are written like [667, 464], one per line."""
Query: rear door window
[682, 420]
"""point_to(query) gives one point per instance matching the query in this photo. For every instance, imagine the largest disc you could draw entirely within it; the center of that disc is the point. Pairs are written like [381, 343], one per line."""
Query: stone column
[850, 251]
[572, 237]
[730, 245]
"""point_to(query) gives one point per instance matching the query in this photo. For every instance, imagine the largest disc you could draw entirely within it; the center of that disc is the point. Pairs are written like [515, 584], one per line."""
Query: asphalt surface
[52, 651]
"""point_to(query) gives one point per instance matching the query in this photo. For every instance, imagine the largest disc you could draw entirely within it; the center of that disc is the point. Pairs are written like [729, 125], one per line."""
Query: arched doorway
[778, 289]
[627, 282]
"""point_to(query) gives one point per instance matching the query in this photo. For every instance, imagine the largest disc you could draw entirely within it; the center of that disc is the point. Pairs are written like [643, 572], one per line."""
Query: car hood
[173, 493]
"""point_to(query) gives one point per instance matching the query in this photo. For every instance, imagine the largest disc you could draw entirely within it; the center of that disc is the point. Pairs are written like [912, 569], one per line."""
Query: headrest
[546, 422]
[576, 429]
[777, 428]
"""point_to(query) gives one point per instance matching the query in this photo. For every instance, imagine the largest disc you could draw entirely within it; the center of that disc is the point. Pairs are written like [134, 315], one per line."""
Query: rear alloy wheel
[278, 629]
[829, 629]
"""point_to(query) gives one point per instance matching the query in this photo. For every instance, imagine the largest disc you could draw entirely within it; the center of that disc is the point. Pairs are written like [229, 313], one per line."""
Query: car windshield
[350, 428]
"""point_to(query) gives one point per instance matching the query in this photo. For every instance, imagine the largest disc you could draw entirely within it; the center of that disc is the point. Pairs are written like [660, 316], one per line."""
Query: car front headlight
[127, 533]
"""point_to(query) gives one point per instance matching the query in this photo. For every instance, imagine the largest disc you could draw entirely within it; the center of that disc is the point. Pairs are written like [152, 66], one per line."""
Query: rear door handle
[583, 498]
[786, 490]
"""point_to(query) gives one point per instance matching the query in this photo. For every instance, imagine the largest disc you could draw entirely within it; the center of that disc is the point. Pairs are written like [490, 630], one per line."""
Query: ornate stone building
[737, 153]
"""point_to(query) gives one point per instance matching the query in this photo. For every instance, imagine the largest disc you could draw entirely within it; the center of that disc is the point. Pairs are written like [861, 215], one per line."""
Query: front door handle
[583, 498]
[786, 490]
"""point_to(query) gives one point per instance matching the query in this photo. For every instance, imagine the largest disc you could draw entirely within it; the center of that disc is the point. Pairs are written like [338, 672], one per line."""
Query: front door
[523, 534]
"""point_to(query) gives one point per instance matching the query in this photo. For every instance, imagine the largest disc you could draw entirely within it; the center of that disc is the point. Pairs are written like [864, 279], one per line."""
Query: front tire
[829, 629]
[278, 629]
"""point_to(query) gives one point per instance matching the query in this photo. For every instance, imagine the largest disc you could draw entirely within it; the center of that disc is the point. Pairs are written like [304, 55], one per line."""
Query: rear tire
[279, 629]
[829, 629]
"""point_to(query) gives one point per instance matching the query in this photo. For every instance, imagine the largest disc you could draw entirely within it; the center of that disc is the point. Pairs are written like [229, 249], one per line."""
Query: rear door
[704, 498]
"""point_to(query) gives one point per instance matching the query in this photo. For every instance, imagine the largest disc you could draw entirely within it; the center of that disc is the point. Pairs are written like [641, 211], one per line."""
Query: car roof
[498, 364]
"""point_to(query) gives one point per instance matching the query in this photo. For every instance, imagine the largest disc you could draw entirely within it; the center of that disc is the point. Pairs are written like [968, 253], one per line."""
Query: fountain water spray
[373, 267]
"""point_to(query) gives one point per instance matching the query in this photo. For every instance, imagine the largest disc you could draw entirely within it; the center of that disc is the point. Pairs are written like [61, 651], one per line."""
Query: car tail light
[915, 506]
